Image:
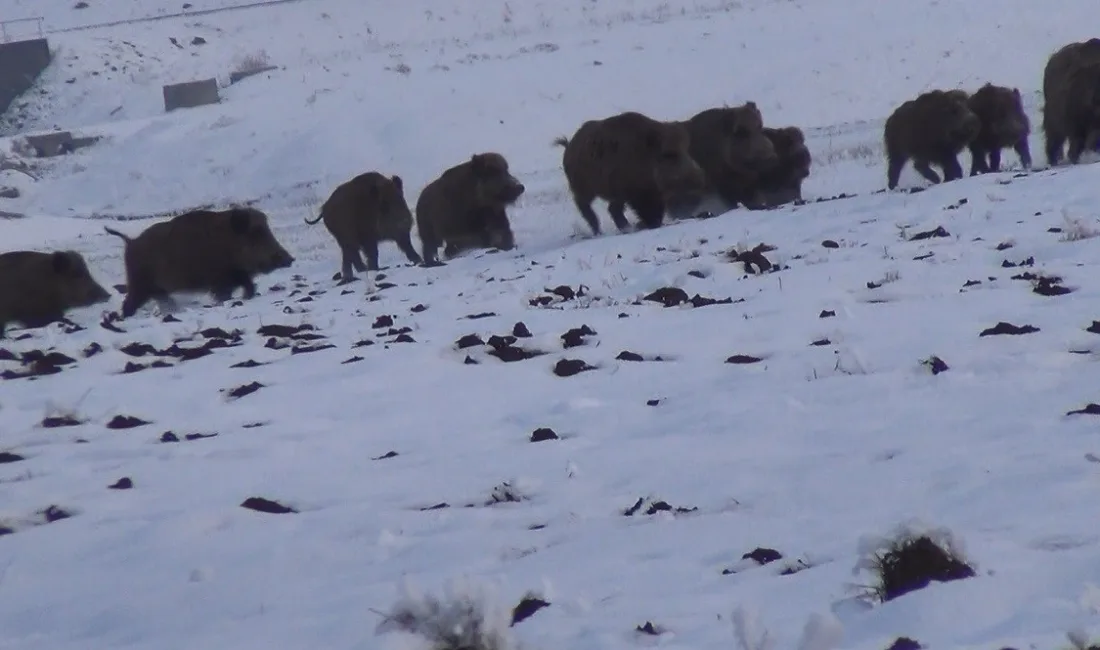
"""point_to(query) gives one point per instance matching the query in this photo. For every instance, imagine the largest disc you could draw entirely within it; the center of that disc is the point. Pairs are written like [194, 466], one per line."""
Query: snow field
[806, 451]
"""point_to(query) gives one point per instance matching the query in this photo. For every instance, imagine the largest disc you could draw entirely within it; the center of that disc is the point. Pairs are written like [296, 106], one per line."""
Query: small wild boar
[466, 207]
[783, 182]
[201, 250]
[932, 128]
[1071, 91]
[632, 160]
[364, 211]
[38, 288]
[1004, 124]
[730, 144]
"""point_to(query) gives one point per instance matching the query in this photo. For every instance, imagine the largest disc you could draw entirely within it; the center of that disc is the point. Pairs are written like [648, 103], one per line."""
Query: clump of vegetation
[905, 643]
[1077, 229]
[462, 619]
[1080, 640]
[911, 559]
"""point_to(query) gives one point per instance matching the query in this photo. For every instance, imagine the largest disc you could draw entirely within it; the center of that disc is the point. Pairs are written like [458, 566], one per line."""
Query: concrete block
[191, 94]
[46, 145]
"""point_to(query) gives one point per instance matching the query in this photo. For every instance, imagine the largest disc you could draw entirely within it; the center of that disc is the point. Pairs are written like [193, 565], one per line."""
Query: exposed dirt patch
[260, 504]
[1003, 328]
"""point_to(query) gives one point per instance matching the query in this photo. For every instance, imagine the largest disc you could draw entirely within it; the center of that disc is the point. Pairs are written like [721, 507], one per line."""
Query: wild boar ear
[240, 221]
[477, 162]
[1016, 92]
[398, 183]
[61, 262]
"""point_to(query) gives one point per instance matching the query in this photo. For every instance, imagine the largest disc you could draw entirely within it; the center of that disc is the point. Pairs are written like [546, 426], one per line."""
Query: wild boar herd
[656, 168]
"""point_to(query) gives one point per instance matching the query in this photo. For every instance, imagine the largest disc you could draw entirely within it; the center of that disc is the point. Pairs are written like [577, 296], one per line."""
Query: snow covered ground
[837, 431]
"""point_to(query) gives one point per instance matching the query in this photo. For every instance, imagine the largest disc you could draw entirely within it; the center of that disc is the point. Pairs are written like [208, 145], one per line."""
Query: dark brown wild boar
[37, 288]
[783, 182]
[932, 128]
[632, 160]
[1004, 125]
[364, 211]
[466, 207]
[730, 144]
[1071, 92]
[201, 250]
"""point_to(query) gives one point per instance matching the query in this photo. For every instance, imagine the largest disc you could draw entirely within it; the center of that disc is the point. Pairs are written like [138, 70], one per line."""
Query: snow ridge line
[179, 14]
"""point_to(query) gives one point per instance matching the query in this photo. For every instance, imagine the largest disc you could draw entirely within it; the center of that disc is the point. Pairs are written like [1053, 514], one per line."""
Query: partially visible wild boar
[37, 288]
[783, 183]
[1071, 91]
[486, 227]
[364, 211]
[1004, 124]
[466, 207]
[202, 250]
[629, 159]
[932, 128]
[730, 145]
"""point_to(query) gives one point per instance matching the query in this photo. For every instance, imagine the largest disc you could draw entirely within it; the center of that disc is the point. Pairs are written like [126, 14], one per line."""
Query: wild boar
[1004, 124]
[783, 182]
[632, 160]
[932, 128]
[37, 288]
[201, 250]
[1071, 92]
[364, 211]
[466, 206]
[731, 146]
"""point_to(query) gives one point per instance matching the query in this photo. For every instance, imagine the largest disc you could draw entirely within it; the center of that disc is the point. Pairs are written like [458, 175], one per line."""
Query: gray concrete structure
[20, 64]
[191, 94]
[46, 145]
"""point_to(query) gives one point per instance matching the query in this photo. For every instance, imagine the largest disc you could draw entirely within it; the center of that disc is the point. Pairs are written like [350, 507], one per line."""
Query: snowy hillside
[906, 357]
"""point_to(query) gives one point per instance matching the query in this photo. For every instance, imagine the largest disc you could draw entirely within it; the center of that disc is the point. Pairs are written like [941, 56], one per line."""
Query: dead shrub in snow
[911, 559]
[904, 643]
[821, 632]
[507, 492]
[464, 618]
[856, 152]
[253, 62]
[1077, 229]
